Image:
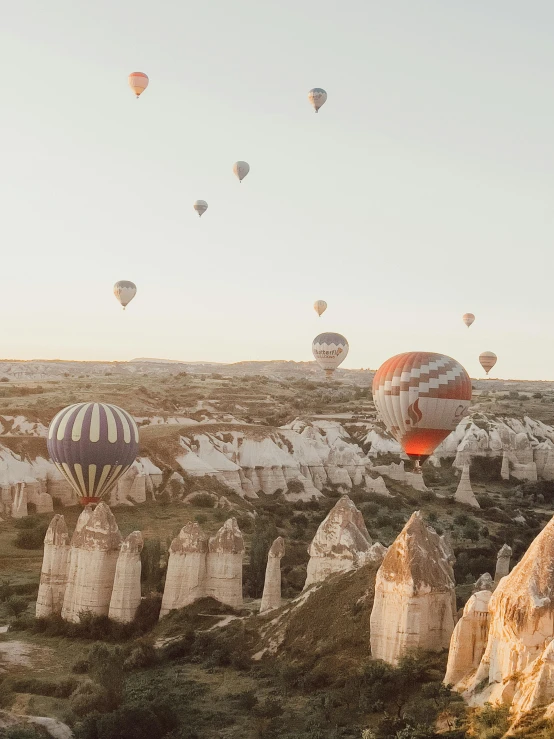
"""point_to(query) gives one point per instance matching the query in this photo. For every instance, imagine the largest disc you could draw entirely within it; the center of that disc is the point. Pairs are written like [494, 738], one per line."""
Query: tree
[106, 669]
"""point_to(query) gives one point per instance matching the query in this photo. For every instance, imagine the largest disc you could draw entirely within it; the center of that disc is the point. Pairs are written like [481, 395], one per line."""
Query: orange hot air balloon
[468, 319]
[421, 397]
[320, 306]
[487, 361]
[138, 82]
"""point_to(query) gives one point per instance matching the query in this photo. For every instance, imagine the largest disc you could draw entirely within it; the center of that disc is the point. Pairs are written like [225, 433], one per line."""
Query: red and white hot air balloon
[421, 397]
[468, 319]
[487, 361]
[138, 82]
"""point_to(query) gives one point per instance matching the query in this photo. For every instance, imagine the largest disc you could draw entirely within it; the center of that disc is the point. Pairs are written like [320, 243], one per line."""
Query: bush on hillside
[31, 538]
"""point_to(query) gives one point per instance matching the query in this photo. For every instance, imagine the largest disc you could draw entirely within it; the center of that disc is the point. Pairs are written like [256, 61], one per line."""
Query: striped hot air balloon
[421, 397]
[487, 361]
[138, 82]
[92, 445]
[329, 350]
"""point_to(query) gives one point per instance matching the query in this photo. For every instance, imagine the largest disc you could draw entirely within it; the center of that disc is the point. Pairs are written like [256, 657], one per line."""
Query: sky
[422, 190]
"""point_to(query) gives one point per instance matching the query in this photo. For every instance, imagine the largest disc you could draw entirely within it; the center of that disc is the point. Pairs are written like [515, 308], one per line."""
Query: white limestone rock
[469, 639]
[536, 685]
[339, 542]
[19, 505]
[93, 560]
[125, 597]
[505, 469]
[53, 576]
[224, 564]
[376, 485]
[414, 604]
[464, 493]
[484, 582]
[502, 563]
[271, 597]
[185, 580]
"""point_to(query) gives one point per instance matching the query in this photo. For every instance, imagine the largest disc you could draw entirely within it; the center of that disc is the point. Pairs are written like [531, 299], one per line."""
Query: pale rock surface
[74, 553]
[536, 685]
[414, 604]
[95, 551]
[224, 564]
[44, 503]
[53, 576]
[484, 582]
[339, 542]
[271, 597]
[502, 562]
[376, 485]
[464, 493]
[125, 597]
[185, 580]
[19, 505]
[521, 618]
[375, 554]
[469, 639]
[505, 469]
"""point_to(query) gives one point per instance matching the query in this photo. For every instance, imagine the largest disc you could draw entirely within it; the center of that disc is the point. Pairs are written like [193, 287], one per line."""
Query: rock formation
[125, 598]
[414, 604]
[521, 627]
[502, 563]
[53, 576]
[19, 505]
[92, 563]
[199, 567]
[469, 638]
[484, 582]
[536, 684]
[224, 564]
[186, 568]
[505, 469]
[271, 597]
[464, 493]
[339, 543]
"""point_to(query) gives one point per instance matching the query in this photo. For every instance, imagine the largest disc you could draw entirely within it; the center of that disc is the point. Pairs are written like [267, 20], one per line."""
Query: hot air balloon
[124, 291]
[317, 97]
[320, 306]
[487, 361]
[241, 169]
[200, 206]
[468, 319]
[329, 350]
[138, 82]
[92, 445]
[421, 397]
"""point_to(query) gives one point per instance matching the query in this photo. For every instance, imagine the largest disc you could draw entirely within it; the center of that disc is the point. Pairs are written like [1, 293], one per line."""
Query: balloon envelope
[421, 397]
[124, 291]
[468, 319]
[241, 169]
[329, 350]
[487, 361]
[317, 97]
[320, 306]
[200, 206]
[92, 445]
[138, 82]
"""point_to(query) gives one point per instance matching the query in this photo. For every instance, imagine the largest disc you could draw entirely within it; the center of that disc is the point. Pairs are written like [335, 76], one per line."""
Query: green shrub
[31, 538]
[36, 686]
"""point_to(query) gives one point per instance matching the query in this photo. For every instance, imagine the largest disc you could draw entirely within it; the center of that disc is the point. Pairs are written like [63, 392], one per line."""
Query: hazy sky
[423, 188]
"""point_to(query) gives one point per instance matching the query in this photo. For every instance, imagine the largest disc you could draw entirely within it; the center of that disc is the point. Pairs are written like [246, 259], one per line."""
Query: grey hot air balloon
[241, 169]
[317, 97]
[124, 291]
[329, 350]
[92, 445]
[200, 206]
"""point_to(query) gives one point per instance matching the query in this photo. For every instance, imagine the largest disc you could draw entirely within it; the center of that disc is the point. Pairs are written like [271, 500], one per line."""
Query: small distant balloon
[124, 291]
[138, 82]
[241, 169]
[468, 319]
[200, 206]
[487, 361]
[320, 306]
[329, 350]
[317, 97]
